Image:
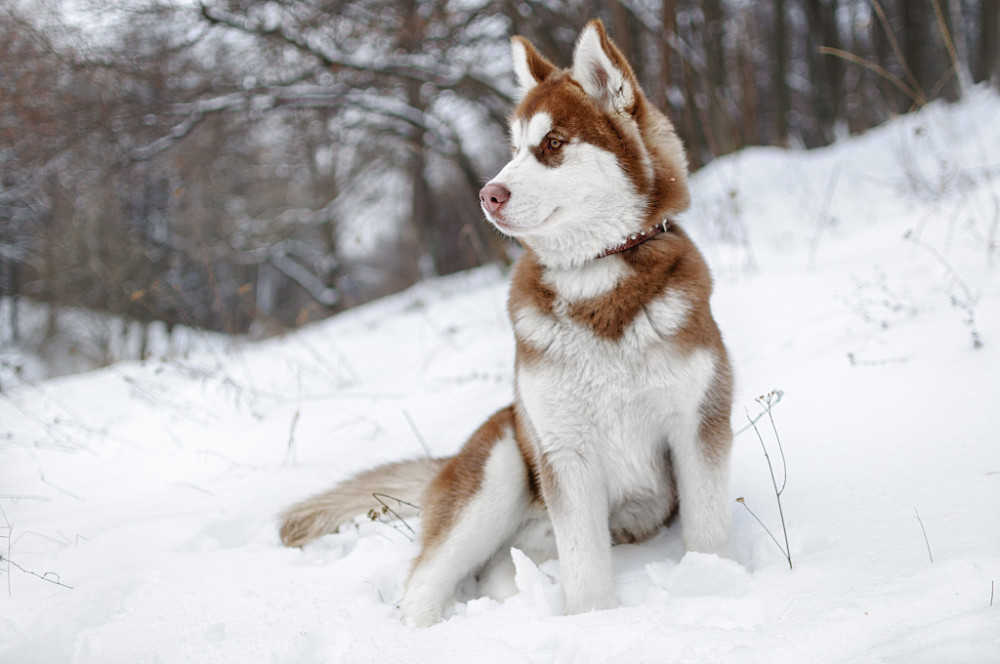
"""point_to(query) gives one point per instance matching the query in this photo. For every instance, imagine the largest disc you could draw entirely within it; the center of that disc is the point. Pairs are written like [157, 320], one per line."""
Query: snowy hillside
[139, 502]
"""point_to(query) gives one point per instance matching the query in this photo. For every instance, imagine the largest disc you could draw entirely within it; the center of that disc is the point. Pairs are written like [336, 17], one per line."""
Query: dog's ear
[530, 68]
[602, 70]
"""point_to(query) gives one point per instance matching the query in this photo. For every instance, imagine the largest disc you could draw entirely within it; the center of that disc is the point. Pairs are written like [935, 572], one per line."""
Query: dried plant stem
[50, 577]
[776, 399]
[416, 432]
[878, 69]
[824, 220]
[915, 239]
[969, 303]
[956, 65]
[10, 539]
[924, 531]
[290, 448]
[742, 501]
[767, 401]
[921, 98]
[376, 515]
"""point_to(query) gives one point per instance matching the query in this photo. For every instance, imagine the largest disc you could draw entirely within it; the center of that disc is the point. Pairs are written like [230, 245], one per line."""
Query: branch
[878, 69]
[401, 70]
[318, 290]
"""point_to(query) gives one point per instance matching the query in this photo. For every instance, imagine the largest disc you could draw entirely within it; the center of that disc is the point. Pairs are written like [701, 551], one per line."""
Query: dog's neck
[568, 251]
[636, 239]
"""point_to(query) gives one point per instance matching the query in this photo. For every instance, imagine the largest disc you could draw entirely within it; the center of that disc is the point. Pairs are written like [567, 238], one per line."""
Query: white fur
[605, 423]
[570, 213]
[525, 135]
[587, 281]
[587, 204]
[660, 319]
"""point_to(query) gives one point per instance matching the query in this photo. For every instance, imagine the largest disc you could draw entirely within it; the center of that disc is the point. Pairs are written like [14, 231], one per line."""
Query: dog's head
[593, 161]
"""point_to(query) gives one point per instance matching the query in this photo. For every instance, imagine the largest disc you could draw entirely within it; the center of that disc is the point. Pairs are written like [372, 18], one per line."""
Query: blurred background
[245, 166]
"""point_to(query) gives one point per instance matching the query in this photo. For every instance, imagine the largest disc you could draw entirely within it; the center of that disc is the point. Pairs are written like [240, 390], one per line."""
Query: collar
[637, 239]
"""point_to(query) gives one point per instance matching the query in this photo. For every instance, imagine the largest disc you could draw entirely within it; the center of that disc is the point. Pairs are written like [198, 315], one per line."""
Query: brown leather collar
[637, 239]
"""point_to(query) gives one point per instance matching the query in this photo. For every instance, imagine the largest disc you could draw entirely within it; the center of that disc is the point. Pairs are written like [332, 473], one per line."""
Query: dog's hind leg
[475, 506]
[535, 539]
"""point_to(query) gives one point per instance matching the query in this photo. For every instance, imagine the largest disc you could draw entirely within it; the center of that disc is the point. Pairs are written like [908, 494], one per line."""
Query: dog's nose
[493, 197]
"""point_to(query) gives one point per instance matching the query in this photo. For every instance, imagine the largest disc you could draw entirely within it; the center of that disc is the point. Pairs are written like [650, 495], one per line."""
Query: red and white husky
[623, 388]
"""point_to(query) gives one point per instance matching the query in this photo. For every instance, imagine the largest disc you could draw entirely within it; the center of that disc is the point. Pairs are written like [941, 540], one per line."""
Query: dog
[623, 387]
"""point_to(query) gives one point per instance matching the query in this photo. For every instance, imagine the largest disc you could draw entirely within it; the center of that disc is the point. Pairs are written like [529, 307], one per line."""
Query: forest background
[248, 166]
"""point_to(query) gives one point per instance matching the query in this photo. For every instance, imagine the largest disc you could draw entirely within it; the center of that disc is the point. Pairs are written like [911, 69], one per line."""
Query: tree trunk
[421, 217]
[987, 63]
[668, 19]
[723, 135]
[779, 82]
[823, 97]
[916, 41]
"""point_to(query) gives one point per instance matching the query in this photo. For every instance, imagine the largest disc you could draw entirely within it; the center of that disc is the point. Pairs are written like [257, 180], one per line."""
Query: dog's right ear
[530, 68]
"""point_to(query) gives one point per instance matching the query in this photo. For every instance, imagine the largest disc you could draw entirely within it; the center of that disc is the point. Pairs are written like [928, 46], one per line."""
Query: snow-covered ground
[139, 501]
[66, 340]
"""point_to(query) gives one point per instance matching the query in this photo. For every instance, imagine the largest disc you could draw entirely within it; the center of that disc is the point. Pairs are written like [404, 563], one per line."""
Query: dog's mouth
[514, 229]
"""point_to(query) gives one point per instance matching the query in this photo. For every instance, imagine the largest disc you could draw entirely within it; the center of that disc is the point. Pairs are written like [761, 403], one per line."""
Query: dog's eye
[554, 143]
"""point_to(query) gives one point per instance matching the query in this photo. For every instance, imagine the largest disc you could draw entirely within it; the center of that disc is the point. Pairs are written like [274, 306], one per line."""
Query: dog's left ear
[602, 70]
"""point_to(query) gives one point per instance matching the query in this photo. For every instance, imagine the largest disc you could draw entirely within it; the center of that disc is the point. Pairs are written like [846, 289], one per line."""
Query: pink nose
[493, 197]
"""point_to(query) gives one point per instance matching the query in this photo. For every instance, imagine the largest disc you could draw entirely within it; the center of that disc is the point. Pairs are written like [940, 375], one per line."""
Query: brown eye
[554, 144]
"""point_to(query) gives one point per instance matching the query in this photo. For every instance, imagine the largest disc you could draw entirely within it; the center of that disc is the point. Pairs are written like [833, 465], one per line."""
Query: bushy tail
[327, 511]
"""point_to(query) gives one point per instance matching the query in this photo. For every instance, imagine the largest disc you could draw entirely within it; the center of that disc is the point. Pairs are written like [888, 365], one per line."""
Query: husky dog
[622, 385]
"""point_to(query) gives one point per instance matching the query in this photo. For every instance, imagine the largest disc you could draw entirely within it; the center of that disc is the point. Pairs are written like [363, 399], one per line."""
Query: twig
[924, 531]
[912, 237]
[767, 401]
[6, 558]
[43, 577]
[878, 69]
[290, 449]
[376, 515]
[915, 85]
[856, 361]
[969, 303]
[767, 530]
[777, 438]
[956, 65]
[777, 399]
[824, 218]
[991, 239]
[10, 540]
[61, 490]
[416, 432]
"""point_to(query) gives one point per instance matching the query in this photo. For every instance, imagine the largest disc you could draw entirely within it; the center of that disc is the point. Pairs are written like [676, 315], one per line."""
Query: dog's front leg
[577, 500]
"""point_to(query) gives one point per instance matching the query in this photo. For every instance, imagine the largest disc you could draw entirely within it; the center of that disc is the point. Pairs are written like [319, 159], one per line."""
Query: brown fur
[461, 477]
[326, 512]
[576, 116]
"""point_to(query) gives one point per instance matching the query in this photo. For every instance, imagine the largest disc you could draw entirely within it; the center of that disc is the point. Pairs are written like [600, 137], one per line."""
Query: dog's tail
[399, 485]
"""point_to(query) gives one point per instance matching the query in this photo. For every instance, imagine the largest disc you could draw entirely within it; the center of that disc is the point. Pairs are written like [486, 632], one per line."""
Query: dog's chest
[594, 326]
[617, 397]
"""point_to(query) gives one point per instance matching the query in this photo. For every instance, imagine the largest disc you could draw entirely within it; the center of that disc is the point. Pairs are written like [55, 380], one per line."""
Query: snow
[152, 489]
[75, 339]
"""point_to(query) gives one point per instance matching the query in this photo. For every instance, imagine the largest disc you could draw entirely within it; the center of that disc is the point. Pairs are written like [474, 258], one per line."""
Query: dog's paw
[419, 613]
[589, 601]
